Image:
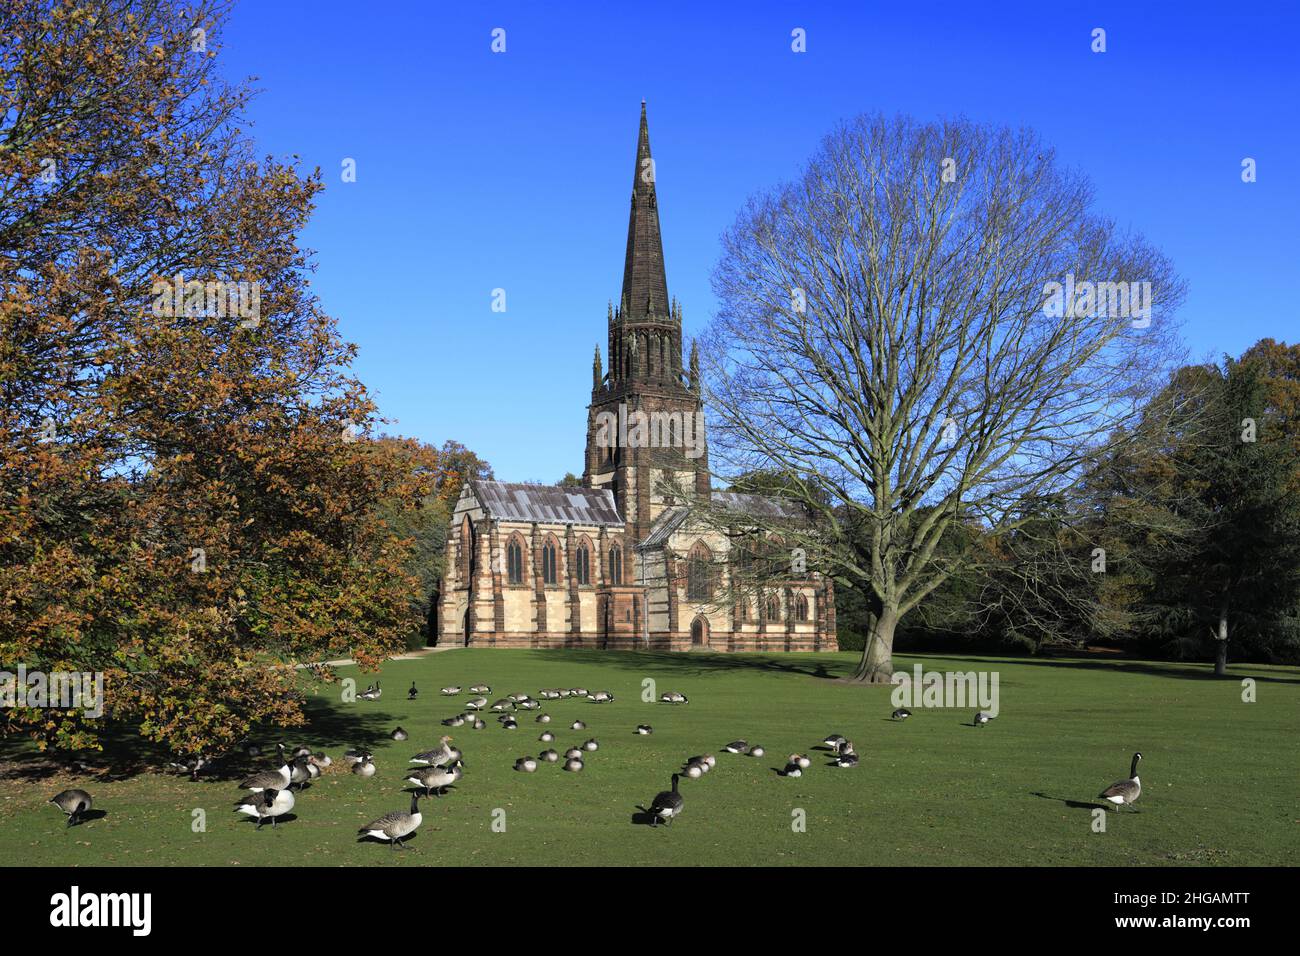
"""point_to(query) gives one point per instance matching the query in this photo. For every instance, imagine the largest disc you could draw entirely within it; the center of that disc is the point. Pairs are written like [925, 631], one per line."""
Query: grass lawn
[1220, 777]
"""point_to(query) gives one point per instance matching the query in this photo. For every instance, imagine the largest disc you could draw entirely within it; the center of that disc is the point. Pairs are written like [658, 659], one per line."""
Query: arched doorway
[700, 631]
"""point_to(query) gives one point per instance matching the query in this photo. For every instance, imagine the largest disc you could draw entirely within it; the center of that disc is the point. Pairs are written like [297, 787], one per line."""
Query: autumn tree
[932, 323]
[187, 488]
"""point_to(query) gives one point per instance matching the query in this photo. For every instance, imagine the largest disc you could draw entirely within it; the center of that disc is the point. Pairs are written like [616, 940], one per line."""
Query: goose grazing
[577, 725]
[901, 714]
[530, 704]
[644, 729]
[546, 737]
[666, 805]
[503, 705]
[480, 689]
[75, 803]
[737, 747]
[457, 721]
[756, 751]
[371, 693]
[450, 691]
[270, 779]
[573, 764]
[578, 692]
[602, 697]
[543, 718]
[550, 756]
[590, 745]
[1122, 792]
[525, 764]
[435, 780]
[439, 755]
[846, 760]
[396, 826]
[365, 767]
[982, 718]
[266, 805]
[477, 703]
[833, 741]
[399, 734]
[412, 693]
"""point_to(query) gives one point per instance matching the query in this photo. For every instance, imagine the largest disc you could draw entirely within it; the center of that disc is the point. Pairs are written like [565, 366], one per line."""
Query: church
[622, 562]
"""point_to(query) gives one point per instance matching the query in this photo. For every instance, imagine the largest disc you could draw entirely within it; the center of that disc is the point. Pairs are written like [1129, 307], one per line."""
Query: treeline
[1184, 546]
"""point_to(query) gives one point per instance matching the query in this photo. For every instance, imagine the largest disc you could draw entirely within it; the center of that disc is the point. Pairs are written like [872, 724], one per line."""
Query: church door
[699, 632]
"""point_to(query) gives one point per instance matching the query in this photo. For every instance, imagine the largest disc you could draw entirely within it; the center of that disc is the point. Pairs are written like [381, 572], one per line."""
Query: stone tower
[645, 425]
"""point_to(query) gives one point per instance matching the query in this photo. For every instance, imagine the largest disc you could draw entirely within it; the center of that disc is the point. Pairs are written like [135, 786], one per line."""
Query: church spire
[645, 285]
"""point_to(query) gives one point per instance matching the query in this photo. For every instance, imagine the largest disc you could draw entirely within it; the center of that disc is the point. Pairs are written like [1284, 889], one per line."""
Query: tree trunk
[1221, 651]
[877, 664]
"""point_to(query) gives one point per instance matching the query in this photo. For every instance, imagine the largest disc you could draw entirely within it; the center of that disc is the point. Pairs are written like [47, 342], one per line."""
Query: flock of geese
[270, 793]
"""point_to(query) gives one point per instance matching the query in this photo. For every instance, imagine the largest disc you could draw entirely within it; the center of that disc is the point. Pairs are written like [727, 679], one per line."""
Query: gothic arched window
[699, 572]
[801, 608]
[515, 561]
[616, 566]
[583, 561]
[772, 609]
[548, 562]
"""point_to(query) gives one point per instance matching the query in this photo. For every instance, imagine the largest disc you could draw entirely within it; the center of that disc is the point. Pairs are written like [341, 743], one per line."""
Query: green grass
[1219, 775]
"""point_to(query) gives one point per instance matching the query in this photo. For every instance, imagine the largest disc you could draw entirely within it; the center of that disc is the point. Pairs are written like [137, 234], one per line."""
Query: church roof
[552, 504]
[645, 283]
[730, 503]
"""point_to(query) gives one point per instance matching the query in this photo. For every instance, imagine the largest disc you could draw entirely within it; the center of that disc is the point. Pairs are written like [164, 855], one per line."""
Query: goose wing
[267, 779]
[667, 800]
[1121, 788]
[389, 822]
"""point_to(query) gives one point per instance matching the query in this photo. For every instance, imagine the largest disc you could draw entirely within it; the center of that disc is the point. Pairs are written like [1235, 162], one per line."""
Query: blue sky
[478, 171]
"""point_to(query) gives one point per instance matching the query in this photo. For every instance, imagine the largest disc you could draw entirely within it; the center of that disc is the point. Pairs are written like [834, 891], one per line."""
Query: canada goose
[901, 714]
[435, 780]
[399, 734]
[439, 755]
[1123, 792]
[457, 721]
[694, 771]
[591, 745]
[801, 760]
[299, 773]
[573, 753]
[74, 803]
[666, 805]
[510, 724]
[982, 718]
[543, 718]
[546, 737]
[550, 756]
[320, 759]
[191, 765]
[737, 747]
[253, 750]
[503, 705]
[700, 762]
[672, 697]
[833, 741]
[845, 748]
[480, 689]
[644, 729]
[355, 755]
[412, 693]
[529, 704]
[792, 769]
[396, 826]
[371, 693]
[478, 724]
[602, 697]
[365, 767]
[848, 759]
[270, 779]
[573, 764]
[266, 805]
[577, 725]
[525, 764]
[578, 692]
[477, 703]
[450, 691]
[756, 751]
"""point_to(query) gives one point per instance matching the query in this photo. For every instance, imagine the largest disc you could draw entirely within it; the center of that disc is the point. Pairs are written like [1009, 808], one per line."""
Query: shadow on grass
[1177, 671]
[701, 663]
[1072, 804]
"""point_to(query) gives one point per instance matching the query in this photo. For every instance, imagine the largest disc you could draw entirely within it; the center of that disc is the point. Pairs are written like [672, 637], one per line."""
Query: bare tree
[889, 337]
